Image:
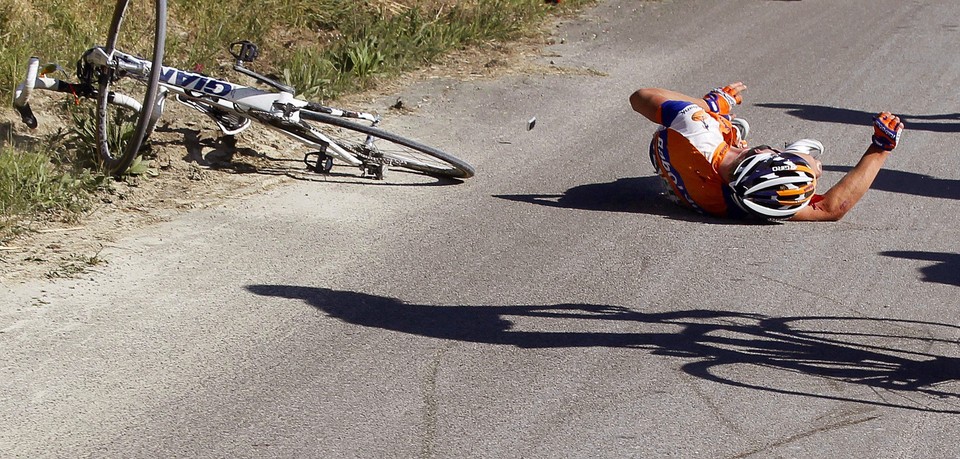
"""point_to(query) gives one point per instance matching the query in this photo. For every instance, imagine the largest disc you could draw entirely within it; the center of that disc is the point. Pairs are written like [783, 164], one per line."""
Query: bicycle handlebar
[122, 99]
[22, 94]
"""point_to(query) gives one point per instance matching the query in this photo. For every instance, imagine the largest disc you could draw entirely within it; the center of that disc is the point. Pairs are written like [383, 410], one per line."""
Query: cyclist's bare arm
[647, 101]
[836, 202]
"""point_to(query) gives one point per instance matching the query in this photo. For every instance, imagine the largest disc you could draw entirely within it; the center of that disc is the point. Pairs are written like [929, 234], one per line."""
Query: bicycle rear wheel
[122, 131]
[389, 149]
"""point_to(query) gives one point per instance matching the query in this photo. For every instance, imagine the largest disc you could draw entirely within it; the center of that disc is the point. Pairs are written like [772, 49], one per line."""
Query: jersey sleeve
[670, 109]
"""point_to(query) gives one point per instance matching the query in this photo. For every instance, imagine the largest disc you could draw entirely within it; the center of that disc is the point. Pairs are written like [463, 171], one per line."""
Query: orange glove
[722, 100]
[886, 130]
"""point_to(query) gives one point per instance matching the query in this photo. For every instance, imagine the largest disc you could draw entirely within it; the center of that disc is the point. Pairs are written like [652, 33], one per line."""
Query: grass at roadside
[33, 187]
[324, 48]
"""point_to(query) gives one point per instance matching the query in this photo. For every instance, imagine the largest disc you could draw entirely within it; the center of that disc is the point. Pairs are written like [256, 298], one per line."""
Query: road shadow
[890, 357]
[945, 271]
[910, 183]
[948, 122]
[628, 195]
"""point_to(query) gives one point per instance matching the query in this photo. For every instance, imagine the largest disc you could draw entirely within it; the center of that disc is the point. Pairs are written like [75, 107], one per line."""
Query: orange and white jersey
[686, 151]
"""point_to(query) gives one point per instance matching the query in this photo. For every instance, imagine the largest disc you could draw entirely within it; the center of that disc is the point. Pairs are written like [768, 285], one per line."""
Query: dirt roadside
[194, 170]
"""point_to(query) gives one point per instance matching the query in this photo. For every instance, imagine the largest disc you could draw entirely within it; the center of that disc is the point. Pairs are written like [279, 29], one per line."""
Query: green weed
[32, 188]
[83, 135]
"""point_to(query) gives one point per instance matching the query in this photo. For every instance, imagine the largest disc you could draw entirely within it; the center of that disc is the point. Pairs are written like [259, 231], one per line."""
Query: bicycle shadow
[822, 113]
[909, 183]
[9, 136]
[222, 153]
[706, 341]
[946, 270]
[627, 195]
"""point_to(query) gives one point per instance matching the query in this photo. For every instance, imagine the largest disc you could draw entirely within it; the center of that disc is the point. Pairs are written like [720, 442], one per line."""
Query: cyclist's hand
[734, 90]
[722, 100]
[887, 128]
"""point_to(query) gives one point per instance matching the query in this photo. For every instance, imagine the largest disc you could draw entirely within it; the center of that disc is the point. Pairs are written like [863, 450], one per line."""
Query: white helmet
[773, 186]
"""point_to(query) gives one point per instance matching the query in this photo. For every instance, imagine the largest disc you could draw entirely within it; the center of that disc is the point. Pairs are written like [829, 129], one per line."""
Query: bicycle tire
[116, 163]
[400, 152]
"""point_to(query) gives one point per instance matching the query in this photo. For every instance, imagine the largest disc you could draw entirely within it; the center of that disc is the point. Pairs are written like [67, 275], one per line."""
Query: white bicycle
[109, 75]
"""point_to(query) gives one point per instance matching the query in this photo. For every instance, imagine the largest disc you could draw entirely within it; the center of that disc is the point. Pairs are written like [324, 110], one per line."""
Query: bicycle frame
[277, 110]
[349, 137]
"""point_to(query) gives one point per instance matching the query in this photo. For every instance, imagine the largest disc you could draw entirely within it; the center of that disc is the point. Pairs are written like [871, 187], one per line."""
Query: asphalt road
[554, 305]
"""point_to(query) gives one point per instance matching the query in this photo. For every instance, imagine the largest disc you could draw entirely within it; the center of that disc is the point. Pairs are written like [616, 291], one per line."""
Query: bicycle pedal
[247, 52]
[321, 165]
[377, 171]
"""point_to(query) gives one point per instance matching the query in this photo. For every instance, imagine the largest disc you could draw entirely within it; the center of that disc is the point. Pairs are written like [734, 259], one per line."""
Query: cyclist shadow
[948, 122]
[627, 195]
[946, 270]
[910, 183]
[706, 340]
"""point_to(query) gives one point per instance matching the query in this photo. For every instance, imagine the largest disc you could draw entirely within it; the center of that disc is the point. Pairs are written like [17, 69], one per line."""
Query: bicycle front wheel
[387, 148]
[121, 131]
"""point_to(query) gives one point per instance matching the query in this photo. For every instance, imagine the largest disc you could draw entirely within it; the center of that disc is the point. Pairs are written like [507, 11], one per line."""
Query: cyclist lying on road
[701, 154]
